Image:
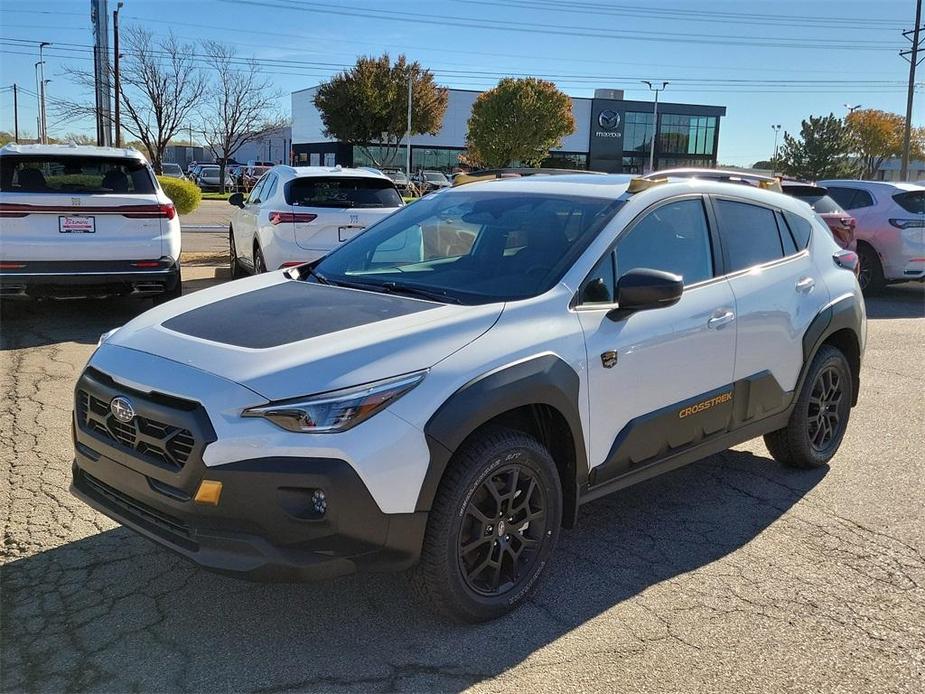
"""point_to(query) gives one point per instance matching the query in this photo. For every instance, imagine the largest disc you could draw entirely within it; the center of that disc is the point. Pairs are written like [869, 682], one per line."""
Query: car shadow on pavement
[113, 612]
[905, 300]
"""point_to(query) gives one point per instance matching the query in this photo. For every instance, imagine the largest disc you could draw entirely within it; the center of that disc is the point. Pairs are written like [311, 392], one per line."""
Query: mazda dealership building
[611, 134]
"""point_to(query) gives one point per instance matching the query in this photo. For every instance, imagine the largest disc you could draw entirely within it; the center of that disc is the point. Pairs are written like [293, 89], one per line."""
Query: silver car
[207, 178]
[890, 229]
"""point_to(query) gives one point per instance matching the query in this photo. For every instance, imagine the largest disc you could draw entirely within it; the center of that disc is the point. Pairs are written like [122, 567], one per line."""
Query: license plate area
[72, 224]
[348, 232]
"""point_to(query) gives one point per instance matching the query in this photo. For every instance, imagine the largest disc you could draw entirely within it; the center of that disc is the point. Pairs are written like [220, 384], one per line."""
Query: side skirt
[691, 455]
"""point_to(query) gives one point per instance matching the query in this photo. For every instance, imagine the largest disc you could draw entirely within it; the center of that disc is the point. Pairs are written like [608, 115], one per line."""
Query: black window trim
[719, 266]
[801, 253]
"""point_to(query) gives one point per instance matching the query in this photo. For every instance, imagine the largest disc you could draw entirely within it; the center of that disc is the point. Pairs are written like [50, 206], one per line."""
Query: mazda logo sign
[122, 409]
[608, 120]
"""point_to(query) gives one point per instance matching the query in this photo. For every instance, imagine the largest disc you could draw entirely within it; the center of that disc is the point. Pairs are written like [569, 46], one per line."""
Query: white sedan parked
[295, 215]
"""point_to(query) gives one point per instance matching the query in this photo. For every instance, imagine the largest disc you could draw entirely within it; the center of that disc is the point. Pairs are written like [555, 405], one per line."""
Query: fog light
[319, 502]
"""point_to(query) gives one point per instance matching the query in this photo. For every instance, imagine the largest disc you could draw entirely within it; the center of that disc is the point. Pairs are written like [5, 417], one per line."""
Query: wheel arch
[839, 324]
[539, 397]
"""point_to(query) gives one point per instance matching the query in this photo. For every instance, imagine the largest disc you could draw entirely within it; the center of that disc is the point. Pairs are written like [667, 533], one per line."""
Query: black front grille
[166, 445]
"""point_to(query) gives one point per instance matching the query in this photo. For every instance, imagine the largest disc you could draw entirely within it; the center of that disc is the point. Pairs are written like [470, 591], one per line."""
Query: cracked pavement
[732, 574]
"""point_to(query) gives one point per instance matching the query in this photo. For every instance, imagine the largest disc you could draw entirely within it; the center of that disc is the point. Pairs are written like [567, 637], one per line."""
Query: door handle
[805, 285]
[722, 319]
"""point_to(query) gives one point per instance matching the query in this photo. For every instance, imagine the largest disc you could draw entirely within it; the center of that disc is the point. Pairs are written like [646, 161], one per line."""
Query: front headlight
[337, 410]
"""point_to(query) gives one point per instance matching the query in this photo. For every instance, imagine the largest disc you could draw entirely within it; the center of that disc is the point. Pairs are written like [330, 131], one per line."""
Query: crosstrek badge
[705, 405]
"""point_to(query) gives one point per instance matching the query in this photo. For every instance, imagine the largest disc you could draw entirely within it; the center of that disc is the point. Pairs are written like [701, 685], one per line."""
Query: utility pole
[15, 114]
[38, 106]
[115, 65]
[776, 129]
[654, 122]
[912, 55]
[44, 136]
[852, 109]
[408, 134]
[99, 16]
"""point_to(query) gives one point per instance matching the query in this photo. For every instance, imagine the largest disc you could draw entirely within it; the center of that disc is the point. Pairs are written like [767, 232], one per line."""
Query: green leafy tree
[520, 120]
[878, 135]
[821, 151]
[368, 105]
[5, 137]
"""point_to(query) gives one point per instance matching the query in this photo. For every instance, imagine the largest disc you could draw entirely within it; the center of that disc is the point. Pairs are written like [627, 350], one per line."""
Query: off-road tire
[441, 578]
[794, 444]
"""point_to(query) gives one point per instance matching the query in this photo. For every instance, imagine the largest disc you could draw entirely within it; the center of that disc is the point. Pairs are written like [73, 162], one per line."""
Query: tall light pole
[115, 66]
[38, 104]
[408, 133]
[654, 121]
[42, 45]
[776, 129]
[852, 109]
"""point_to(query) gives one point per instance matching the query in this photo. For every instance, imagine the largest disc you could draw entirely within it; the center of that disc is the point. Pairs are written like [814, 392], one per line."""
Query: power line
[569, 30]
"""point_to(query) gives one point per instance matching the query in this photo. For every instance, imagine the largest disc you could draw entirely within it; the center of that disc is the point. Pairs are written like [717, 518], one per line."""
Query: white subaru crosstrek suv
[445, 390]
[298, 214]
[85, 221]
[889, 228]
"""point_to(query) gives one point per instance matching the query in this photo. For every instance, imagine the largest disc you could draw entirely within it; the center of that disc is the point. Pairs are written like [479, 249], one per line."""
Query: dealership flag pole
[408, 134]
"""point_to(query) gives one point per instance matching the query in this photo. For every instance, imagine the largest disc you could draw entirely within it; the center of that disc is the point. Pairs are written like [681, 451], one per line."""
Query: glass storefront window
[679, 134]
[637, 132]
[565, 160]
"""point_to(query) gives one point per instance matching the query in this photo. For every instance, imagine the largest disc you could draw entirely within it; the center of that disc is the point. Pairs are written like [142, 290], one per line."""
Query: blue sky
[767, 62]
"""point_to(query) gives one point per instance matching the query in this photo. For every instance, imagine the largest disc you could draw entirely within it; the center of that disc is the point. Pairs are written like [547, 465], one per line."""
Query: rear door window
[850, 198]
[912, 201]
[800, 228]
[342, 192]
[749, 234]
[70, 174]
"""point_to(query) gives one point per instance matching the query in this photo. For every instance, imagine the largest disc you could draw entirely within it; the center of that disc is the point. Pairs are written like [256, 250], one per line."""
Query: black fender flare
[542, 380]
[843, 313]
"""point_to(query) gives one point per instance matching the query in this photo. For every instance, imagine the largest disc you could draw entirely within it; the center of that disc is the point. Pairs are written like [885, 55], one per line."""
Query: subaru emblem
[122, 409]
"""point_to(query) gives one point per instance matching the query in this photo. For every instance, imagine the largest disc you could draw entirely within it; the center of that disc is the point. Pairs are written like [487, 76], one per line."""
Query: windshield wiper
[321, 279]
[411, 290]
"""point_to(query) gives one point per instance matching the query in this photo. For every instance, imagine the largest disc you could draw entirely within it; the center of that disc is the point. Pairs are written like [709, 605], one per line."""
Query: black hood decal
[289, 312]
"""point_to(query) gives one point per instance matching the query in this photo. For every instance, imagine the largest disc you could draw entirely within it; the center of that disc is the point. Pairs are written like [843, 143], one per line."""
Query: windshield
[435, 177]
[73, 174]
[317, 191]
[470, 247]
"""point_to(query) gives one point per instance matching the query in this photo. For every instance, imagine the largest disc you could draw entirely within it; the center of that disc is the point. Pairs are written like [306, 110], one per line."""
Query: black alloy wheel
[824, 412]
[504, 524]
[492, 527]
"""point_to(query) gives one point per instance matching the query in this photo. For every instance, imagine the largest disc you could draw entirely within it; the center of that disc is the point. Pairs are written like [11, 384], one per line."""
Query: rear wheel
[492, 528]
[870, 276]
[820, 416]
[236, 269]
[174, 293]
[260, 265]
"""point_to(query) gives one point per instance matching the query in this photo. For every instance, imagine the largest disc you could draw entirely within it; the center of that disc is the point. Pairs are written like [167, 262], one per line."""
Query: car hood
[284, 338]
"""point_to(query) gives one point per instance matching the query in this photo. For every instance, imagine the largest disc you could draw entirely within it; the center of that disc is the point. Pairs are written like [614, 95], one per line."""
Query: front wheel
[236, 270]
[492, 528]
[820, 416]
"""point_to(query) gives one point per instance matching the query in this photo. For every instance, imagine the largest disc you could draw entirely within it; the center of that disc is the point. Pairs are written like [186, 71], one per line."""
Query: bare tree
[239, 107]
[160, 87]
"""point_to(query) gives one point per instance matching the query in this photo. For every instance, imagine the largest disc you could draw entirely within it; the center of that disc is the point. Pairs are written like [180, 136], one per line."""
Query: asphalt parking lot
[732, 574]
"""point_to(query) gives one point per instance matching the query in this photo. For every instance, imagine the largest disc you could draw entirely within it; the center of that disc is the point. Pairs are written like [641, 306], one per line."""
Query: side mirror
[596, 292]
[643, 289]
[236, 199]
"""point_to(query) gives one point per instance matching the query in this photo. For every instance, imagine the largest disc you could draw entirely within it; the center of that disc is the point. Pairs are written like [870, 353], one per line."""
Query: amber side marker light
[209, 492]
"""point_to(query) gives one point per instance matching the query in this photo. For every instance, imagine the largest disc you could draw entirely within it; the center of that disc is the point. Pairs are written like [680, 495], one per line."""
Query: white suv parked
[298, 214]
[446, 389]
[85, 221]
[890, 229]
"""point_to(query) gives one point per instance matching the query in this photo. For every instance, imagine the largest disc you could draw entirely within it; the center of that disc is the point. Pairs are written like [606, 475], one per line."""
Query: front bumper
[68, 279]
[265, 527]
